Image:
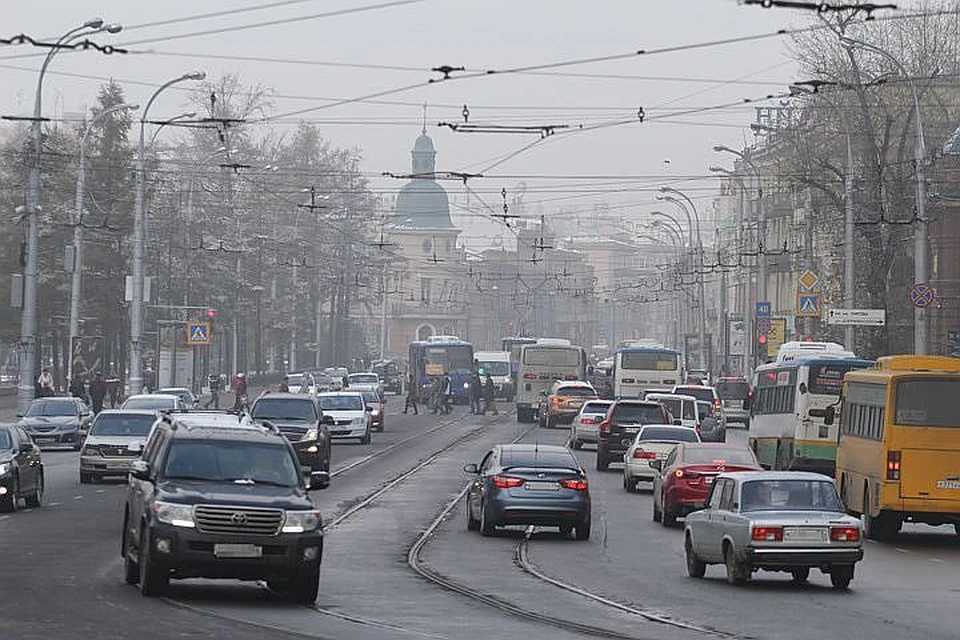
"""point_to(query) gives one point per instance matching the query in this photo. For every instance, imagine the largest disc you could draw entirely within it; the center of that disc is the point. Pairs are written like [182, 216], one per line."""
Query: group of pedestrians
[96, 391]
[483, 395]
[440, 400]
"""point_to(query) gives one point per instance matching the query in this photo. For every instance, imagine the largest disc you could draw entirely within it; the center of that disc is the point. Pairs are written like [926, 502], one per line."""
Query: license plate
[339, 432]
[541, 486]
[631, 431]
[804, 534]
[228, 550]
[42, 439]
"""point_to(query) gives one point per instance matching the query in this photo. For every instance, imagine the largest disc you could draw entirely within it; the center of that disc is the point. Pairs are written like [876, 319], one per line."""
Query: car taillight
[845, 534]
[506, 482]
[628, 381]
[577, 484]
[689, 475]
[529, 376]
[717, 406]
[640, 454]
[605, 425]
[766, 534]
[893, 465]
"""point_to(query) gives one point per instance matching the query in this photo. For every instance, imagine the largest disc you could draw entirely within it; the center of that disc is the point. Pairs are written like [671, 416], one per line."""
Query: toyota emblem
[238, 518]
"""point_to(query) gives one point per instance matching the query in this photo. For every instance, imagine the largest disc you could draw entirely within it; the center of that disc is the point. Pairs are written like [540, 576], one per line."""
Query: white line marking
[78, 497]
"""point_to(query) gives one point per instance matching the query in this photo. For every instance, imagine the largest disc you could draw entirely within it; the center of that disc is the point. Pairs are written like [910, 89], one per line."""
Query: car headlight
[5, 468]
[300, 521]
[179, 515]
[311, 434]
[360, 421]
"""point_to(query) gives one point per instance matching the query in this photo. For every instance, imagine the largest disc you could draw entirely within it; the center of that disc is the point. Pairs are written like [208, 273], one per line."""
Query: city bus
[439, 355]
[513, 344]
[898, 459]
[638, 368]
[542, 363]
[787, 428]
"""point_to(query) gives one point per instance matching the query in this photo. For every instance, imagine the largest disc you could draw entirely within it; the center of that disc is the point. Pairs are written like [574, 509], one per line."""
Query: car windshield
[371, 397]
[637, 414]
[528, 457]
[295, 379]
[119, 424]
[149, 402]
[576, 392]
[284, 409]
[49, 408]
[5, 440]
[733, 389]
[704, 408]
[341, 403]
[668, 434]
[700, 393]
[796, 495]
[240, 462]
[363, 378]
[498, 368]
[596, 407]
[719, 456]
[183, 394]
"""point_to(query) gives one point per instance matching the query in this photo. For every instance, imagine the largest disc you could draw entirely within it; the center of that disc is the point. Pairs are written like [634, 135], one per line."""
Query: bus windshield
[927, 403]
[648, 360]
[551, 357]
[496, 368]
[448, 359]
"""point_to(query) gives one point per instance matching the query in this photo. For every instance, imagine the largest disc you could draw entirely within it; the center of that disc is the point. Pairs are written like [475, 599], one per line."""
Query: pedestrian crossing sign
[198, 333]
[808, 305]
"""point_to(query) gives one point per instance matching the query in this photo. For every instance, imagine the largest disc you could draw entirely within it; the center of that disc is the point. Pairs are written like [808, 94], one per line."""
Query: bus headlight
[466, 385]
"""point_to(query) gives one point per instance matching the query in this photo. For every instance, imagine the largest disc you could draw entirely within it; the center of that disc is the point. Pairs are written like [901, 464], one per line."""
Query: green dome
[422, 203]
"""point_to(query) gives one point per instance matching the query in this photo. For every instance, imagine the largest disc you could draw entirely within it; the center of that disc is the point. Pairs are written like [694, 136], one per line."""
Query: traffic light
[211, 315]
[761, 349]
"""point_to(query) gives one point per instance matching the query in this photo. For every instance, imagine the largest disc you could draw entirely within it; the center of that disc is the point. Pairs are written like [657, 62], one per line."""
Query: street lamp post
[28, 318]
[139, 242]
[77, 275]
[921, 269]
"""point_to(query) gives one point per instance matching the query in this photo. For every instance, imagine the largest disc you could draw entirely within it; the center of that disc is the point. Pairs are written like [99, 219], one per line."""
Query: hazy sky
[301, 61]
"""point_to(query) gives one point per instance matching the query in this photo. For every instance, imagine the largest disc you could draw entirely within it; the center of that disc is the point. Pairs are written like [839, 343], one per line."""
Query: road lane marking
[78, 497]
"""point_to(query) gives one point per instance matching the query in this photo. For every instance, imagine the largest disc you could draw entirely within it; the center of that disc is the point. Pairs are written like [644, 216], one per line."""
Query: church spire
[424, 130]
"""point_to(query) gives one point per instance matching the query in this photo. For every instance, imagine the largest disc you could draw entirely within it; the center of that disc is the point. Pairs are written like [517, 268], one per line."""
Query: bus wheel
[881, 527]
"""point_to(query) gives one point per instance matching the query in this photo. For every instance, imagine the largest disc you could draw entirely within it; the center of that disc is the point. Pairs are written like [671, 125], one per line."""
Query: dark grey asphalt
[62, 575]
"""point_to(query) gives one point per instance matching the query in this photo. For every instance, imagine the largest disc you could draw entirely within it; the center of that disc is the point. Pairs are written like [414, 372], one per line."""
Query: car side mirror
[678, 422]
[327, 420]
[657, 464]
[471, 468]
[368, 408]
[19, 415]
[318, 480]
[140, 469]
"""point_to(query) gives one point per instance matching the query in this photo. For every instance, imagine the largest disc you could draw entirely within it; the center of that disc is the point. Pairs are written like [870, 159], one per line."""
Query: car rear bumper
[787, 558]
[545, 513]
[639, 470]
[191, 554]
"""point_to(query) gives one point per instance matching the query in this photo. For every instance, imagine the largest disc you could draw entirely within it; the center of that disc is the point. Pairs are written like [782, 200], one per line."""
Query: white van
[682, 408]
[497, 364]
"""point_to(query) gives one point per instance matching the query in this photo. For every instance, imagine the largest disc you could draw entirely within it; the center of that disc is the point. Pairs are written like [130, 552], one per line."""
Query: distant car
[188, 399]
[322, 382]
[789, 521]
[366, 379]
[563, 402]
[652, 444]
[621, 425]
[735, 395]
[586, 425]
[56, 421]
[523, 484]
[115, 439]
[21, 470]
[683, 408]
[298, 417]
[296, 381]
[346, 415]
[377, 403]
[700, 392]
[685, 477]
[713, 423]
[153, 402]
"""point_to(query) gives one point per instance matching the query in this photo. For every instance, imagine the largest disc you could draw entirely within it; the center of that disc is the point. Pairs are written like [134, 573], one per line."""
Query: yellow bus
[898, 456]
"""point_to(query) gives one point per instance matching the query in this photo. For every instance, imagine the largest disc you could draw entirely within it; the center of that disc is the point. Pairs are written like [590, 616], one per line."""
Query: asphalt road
[63, 578]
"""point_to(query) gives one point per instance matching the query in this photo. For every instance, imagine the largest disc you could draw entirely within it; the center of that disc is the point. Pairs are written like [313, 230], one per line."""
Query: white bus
[542, 363]
[636, 369]
[783, 433]
[798, 350]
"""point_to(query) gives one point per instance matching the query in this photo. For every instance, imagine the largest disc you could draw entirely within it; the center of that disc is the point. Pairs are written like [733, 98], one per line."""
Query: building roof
[422, 203]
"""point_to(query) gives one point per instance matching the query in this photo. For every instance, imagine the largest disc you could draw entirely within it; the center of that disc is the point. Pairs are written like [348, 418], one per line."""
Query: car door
[727, 515]
[28, 460]
[661, 478]
[475, 492]
[140, 492]
[713, 521]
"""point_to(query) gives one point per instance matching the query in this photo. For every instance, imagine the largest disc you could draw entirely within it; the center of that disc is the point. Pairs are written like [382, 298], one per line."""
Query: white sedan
[586, 425]
[652, 442]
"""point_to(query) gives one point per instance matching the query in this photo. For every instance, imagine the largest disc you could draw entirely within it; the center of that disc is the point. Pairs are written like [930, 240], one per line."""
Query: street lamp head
[93, 23]
[720, 147]
[718, 170]
[113, 28]
[195, 75]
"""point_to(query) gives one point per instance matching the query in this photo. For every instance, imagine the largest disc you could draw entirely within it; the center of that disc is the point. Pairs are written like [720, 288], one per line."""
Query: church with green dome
[422, 203]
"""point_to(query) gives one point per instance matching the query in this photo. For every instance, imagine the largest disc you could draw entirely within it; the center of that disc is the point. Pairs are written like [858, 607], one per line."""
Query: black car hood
[225, 493]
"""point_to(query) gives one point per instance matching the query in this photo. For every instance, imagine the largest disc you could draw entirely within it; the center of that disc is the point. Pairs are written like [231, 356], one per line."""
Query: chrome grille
[118, 452]
[293, 433]
[238, 520]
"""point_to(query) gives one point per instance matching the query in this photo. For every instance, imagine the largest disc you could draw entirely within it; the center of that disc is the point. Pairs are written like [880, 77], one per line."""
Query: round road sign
[922, 294]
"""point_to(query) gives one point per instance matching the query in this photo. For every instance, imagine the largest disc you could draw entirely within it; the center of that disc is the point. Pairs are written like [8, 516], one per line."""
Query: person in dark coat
[77, 388]
[489, 396]
[98, 391]
[476, 392]
[412, 393]
[113, 390]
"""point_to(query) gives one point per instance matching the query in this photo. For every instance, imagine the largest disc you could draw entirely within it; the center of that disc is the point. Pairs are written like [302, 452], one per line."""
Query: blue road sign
[922, 294]
[808, 305]
[198, 333]
[763, 309]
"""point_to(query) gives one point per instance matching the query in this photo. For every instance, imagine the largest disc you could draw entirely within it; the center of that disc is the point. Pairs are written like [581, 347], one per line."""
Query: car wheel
[583, 530]
[11, 502]
[77, 446]
[657, 514]
[566, 530]
[696, 568]
[881, 527]
[667, 517]
[85, 478]
[629, 484]
[34, 499]
[153, 580]
[303, 588]
[472, 523]
[800, 574]
[840, 576]
[602, 462]
[486, 526]
[131, 571]
[577, 444]
[737, 572]
[365, 438]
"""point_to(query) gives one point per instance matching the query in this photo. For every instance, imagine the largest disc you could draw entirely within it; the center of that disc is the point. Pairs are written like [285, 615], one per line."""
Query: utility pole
[312, 207]
[807, 248]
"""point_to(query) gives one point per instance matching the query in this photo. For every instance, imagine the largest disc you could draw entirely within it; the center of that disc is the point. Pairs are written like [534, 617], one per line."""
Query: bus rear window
[928, 403]
[827, 379]
[733, 389]
[652, 361]
[551, 357]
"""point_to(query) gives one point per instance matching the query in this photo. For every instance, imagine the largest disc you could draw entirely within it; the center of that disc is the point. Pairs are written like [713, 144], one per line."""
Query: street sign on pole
[763, 308]
[808, 280]
[198, 333]
[863, 317]
[808, 305]
[922, 294]
[777, 335]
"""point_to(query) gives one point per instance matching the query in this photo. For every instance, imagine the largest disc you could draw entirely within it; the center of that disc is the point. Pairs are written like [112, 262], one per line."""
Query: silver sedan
[789, 521]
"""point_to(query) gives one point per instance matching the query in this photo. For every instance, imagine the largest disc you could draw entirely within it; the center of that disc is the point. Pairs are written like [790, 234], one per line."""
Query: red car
[687, 475]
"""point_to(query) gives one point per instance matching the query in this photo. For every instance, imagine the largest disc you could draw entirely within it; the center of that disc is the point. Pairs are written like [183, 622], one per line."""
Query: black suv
[221, 502]
[297, 416]
[620, 427]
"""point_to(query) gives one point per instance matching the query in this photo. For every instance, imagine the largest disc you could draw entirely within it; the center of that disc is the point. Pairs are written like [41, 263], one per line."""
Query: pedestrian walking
[46, 383]
[476, 392]
[240, 391]
[412, 393]
[446, 394]
[113, 389]
[98, 391]
[489, 396]
[214, 383]
[436, 392]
